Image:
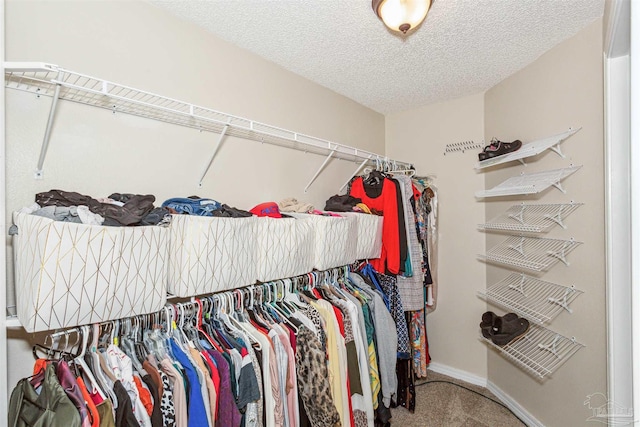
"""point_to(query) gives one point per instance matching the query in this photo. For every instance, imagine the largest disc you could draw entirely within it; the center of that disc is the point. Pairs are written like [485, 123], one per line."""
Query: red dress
[387, 203]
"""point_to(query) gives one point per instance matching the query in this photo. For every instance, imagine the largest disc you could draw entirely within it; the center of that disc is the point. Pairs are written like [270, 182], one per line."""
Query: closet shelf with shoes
[540, 351]
[532, 298]
[532, 183]
[531, 253]
[530, 149]
[531, 218]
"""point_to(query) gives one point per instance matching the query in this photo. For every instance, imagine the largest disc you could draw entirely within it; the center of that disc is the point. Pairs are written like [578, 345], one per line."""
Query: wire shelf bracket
[533, 183]
[552, 347]
[540, 352]
[564, 300]
[530, 149]
[61, 84]
[213, 155]
[531, 218]
[530, 253]
[529, 297]
[561, 253]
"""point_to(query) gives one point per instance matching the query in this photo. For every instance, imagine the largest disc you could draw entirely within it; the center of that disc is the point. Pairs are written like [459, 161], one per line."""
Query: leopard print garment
[313, 381]
[315, 317]
[166, 402]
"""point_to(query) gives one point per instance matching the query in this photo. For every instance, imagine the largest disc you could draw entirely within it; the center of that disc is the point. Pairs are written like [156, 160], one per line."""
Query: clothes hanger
[290, 296]
[79, 361]
[51, 353]
[127, 344]
[201, 306]
[97, 371]
[263, 309]
[141, 323]
[375, 176]
[232, 325]
[106, 336]
[188, 326]
[279, 284]
[219, 320]
[239, 307]
[209, 323]
[407, 170]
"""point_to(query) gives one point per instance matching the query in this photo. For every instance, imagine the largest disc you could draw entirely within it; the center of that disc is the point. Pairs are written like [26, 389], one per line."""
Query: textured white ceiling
[463, 47]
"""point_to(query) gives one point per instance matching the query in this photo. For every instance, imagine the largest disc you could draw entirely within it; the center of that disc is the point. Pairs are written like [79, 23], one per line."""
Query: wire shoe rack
[531, 218]
[531, 298]
[531, 253]
[530, 183]
[530, 149]
[540, 352]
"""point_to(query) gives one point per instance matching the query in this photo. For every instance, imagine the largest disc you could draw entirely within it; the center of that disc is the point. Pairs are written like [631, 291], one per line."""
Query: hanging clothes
[314, 386]
[50, 407]
[411, 287]
[427, 210]
[383, 195]
[420, 351]
[326, 357]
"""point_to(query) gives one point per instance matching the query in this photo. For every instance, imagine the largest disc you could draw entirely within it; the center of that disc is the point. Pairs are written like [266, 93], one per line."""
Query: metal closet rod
[52, 80]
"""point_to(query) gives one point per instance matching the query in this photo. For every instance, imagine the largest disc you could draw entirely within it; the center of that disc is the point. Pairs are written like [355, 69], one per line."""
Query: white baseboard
[517, 409]
[458, 374]
[508, 401]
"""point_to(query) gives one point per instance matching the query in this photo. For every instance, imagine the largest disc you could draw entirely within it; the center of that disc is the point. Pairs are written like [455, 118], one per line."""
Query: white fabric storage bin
[336, 240]
[286, 247]
[369, 244]
[69, 274]
[210, 254]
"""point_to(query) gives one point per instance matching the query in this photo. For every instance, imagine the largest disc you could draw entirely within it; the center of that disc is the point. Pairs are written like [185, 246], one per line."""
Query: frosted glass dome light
[401, 15]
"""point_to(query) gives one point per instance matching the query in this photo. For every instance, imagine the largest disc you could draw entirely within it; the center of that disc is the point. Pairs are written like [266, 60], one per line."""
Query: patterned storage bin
[69, 274]
[336, 240]
[211, 254]
[285, 247]
[369, 235]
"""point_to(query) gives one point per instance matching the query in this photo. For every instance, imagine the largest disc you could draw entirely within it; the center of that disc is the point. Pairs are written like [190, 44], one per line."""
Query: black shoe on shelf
[499, 148]
[502, 330]
[511, 331]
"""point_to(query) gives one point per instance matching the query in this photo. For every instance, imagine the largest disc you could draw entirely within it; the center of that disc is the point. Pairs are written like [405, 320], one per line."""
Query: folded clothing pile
[347, 203]
[119, 209]
[194, 205]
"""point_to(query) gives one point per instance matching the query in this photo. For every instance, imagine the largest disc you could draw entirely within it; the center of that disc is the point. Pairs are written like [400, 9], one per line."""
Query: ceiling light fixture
[401, 15]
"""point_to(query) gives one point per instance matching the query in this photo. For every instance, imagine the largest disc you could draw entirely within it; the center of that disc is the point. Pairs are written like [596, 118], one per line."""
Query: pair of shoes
[502, 330]
[499, 148]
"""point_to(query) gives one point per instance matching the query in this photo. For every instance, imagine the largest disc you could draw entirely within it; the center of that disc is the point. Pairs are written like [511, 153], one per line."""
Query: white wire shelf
[58, 83]
[540, 352]
[531, 218]
[530, 183]
[531, 298]
[531, 253]
[530, 149]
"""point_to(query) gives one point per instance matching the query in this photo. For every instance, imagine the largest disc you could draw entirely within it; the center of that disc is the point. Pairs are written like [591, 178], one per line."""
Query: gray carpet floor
[446, 405]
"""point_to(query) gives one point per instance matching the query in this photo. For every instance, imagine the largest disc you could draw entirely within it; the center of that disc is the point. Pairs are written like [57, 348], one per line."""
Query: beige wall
[133, 43]
[421, 135]
[562, 89]
[96, 152]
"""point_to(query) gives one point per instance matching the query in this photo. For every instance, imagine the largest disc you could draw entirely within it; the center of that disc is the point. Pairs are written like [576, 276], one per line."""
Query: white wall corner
[458, 374]
[514, 406]
[474, 379]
